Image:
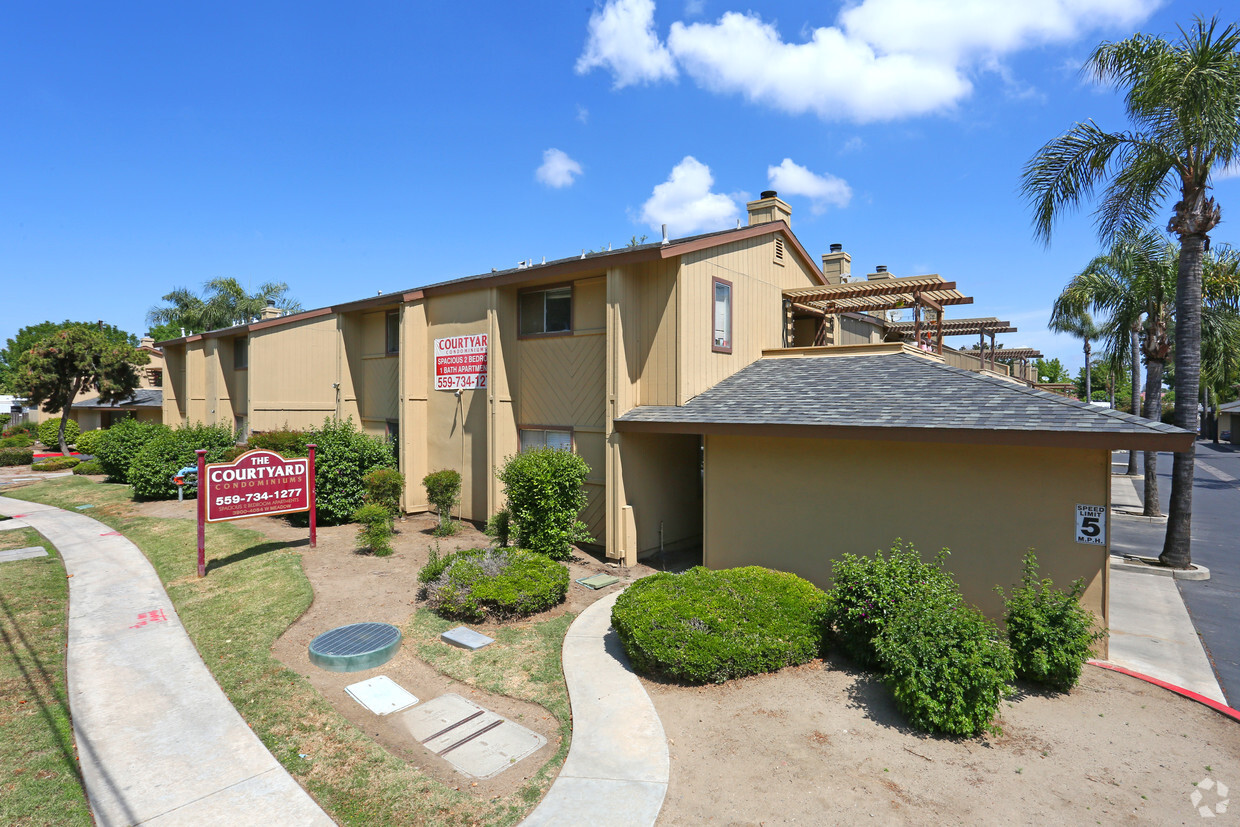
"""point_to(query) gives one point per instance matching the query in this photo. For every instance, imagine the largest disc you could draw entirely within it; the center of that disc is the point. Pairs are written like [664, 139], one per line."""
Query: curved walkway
[157, 740]
[617, 767]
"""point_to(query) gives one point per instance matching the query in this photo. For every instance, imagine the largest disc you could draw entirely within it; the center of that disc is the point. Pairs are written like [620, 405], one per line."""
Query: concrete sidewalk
[157, 740]
[618, 765]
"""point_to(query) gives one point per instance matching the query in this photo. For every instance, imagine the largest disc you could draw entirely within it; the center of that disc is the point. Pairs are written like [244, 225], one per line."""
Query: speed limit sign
[1091, 525]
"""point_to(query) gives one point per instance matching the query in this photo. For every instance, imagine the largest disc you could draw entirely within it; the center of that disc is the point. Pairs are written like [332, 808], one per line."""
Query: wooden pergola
[930, 292]
[1061, 388]
[982, 327]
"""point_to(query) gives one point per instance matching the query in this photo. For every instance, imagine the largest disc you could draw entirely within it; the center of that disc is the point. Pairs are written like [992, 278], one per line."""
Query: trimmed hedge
[16, 456]
[49, 432]
[341, 461]
[947, 666]
[544, 490]
[90, 466]
[16, 441]
[1050, 632]
[500, 583]
[286, 443]
[55, 464]
[868, 591]
[88, 441]
[160, 458]
[708, 626]
[121, 443]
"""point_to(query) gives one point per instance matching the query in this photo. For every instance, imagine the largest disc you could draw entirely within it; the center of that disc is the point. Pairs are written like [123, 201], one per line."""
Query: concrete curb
[1234, 714]
[1149, 565]
[157, 740]
[618, 765]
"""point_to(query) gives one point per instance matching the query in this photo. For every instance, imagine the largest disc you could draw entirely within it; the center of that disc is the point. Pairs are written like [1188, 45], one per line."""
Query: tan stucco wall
[663, 483]
[796, 504]
[292, 368]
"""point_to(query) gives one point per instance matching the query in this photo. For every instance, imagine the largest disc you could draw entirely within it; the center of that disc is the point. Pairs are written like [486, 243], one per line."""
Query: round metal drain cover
[355, 647]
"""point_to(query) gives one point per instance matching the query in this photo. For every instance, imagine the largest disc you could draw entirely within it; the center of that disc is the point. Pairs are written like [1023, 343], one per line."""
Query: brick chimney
[270, 311]
[769, 207]
[836, 265]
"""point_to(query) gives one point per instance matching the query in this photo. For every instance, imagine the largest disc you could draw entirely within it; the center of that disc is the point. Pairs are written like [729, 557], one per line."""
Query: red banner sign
[461, 362]
[258, 483]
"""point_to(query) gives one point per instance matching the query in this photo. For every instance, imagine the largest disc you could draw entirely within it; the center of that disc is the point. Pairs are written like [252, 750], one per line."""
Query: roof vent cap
[837, 248]
[769, 194]
[882, 268]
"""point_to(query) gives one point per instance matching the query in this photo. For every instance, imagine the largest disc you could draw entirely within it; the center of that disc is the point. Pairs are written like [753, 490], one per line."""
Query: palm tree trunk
[1136, 395]
[1089, 391]
[1177, 546]
[1153, 407]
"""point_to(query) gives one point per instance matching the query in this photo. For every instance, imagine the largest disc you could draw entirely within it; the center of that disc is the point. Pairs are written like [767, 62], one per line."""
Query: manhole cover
[355, 647]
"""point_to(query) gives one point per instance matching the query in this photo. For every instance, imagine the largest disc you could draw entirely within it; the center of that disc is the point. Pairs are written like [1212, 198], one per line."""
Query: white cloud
[853, 144]
[695, 8]
[884, 59]
[583, 114]
[1230, 171]
[622, 39]
[557, 169]
[685, 203]
[823, 190]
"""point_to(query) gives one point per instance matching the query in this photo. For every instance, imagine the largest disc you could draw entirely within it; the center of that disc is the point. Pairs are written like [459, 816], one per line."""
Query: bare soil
[353, 587]
[824, 744]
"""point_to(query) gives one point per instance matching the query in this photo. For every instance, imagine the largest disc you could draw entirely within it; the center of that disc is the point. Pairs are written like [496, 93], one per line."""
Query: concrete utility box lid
[355, 647]
[381, 695]
[474, 740]
[466, 638]
[22, 553]
[598, 581]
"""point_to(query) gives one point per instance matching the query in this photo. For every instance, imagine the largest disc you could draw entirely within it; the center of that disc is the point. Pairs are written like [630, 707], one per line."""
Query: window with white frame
[559, 438]
[546, 311]
[722, 316]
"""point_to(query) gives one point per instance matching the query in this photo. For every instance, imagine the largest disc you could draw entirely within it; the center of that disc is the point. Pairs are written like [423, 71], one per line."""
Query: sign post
[258, 483]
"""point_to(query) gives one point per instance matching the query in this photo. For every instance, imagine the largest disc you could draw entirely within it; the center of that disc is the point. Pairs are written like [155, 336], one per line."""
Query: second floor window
[546, 311]
[241, 354]
[722, 317]
[392, 331]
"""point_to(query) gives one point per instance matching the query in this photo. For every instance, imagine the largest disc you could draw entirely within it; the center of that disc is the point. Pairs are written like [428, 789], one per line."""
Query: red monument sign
[256, 484]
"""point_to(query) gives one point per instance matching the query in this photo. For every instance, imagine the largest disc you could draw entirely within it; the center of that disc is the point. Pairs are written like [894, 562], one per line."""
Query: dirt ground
[824, 744]
[351, 588]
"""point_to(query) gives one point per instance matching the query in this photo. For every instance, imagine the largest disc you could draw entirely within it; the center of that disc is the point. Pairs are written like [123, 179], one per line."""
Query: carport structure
[929, 293]
[811, 453]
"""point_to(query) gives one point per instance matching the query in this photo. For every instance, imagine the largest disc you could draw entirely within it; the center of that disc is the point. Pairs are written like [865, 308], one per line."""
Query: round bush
[544, 491]
[121, 443]
[55, 464]
[88, 442]
[502, 583]
[708, 626]
[90, 466]
[342, 459]
[49, 432]
[16, 456]
[160, 458]
[16, 441]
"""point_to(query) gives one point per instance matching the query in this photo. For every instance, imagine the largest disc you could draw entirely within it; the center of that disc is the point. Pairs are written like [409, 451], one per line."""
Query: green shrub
[343, 458]
[16, 441]
[49, 432]
[1050, 632]
[708, 626]
[232, 453]
[443, 489]
[16, 456]
[383, 488]
[55, 464]
[90, 466]
[434, 565]
[160, 458]
[120, 444]
[88, 442]
[375, 535]
[498, 527]
[946, 664]
[4, 419]
[286, 443]
[28, 428]
[502, 583]
[544, 491]
[868, 591]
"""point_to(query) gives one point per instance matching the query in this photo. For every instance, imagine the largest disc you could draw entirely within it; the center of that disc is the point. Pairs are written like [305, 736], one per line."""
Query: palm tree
[1077, 322]
[1184, 100]
[224, 303]
[1133, 286]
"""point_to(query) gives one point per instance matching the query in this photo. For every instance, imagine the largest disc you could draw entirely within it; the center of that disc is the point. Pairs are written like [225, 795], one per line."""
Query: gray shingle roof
[142, 398]
[904, 393]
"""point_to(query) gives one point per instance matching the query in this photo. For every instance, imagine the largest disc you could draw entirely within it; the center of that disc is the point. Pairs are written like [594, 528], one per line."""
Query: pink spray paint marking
[153, 616]
[110, 534]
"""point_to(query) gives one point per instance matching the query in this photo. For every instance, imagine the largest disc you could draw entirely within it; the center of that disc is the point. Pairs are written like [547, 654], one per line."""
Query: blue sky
[352, 149]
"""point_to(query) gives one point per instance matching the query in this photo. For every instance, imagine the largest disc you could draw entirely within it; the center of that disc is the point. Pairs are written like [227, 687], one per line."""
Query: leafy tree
[1184, 101]
[73, 360]
[223, 303]
[28, 337]
[1050, 371]
[164, 332]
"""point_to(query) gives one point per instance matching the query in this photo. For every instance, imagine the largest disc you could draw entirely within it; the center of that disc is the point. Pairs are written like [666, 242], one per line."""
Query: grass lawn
[39, 780]
[254, 590]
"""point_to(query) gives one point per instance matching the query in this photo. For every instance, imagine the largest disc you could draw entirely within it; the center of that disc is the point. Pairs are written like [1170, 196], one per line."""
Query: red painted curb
[1179, 690]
